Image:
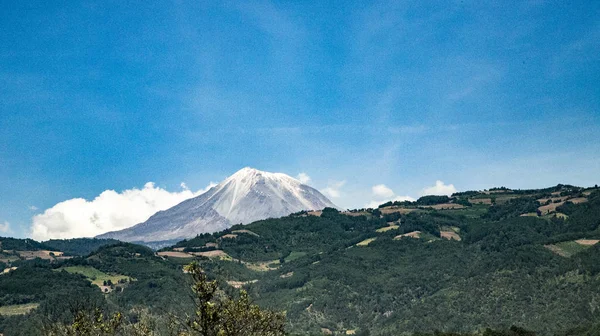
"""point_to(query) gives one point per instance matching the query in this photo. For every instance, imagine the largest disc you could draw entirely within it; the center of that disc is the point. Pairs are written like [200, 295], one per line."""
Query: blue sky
[111, 95]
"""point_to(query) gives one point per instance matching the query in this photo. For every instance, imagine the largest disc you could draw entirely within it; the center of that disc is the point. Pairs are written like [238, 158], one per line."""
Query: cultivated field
[263, 266]
[213, 254]
[557, 250]
[286, 275]
[578, 200]
[8, 269]
[444, 206]
[366, 242]
[553, 199]
[20, 309]
[546, 209]
[356, 214]
[481, 200]
[414, 234]
[48, 255]
[245, 231]
[569, 248]
[8, 258]
[449, 235]
[175, 254]
[387, 228]
[294, 255]
[239, 284]
[97, 277]
[394, 209]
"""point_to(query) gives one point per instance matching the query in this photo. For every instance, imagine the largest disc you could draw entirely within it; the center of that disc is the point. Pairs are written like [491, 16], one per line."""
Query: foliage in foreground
[216, 314]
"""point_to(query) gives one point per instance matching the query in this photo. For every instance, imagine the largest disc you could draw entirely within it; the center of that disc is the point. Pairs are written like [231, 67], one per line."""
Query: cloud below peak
[439, 189]
[108, 211]
[381, 191]
[333, 189]
[381, 194]
[5, 227]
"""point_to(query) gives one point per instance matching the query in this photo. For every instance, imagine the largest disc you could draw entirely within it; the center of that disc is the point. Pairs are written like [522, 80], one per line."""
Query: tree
[216, 314]
[225, 316]
[87, 323]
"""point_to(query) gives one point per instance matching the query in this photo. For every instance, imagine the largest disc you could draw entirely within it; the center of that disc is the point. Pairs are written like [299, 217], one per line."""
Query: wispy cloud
[5, 227]
[583, 49]
[333, 189]
[303, 178]
[381, 193]
[440, 188]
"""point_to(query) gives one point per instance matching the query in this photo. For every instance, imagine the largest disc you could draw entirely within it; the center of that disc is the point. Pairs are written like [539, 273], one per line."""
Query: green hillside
[459, 264]
[78, 246]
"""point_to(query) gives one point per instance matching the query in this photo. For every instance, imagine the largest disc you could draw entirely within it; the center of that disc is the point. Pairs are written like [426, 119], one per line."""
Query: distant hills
[246, 196]
[474, 260]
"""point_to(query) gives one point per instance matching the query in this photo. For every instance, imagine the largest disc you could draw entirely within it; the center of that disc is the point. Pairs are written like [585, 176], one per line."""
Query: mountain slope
[508, 268]
[246, 196]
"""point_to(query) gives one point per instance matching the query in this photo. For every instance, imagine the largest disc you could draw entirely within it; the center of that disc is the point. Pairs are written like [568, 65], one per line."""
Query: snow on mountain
[244, 197]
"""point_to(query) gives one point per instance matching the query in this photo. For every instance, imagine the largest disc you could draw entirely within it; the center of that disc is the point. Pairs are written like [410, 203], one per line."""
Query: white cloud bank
[381, 191]
[109, 211]
[439, 189]
[5, 227]
[381, 194]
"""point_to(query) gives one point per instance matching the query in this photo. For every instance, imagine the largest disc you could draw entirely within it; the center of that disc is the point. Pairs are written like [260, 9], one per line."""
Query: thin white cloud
[109, 211]
[381, 191]
[382, 194]
[403, 198]
[303, 178]
[333, 189]
[207, 188]
[439, 189]
[373, 204]
[5, 227]
[32, 207]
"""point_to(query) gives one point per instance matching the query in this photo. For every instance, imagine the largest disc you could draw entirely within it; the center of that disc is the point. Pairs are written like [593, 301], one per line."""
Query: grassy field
[294, 255]
[263, 266]
[366, 242]
[20, 309]
[429, 237]
[95, 276]
[387, 228]
[571, 247]
[475, 211]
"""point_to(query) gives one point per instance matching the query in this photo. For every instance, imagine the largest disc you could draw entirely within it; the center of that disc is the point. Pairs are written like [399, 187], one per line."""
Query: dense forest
[499, 262]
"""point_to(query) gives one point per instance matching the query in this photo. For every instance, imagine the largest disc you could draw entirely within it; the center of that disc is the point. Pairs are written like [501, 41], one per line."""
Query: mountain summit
[244, 197]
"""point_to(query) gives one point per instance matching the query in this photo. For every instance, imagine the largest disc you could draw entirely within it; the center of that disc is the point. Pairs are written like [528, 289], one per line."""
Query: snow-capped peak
[246, 196]
[252, 175]
[247, 181]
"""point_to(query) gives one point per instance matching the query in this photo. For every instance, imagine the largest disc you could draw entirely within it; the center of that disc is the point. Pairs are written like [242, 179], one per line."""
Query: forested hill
[462, 263]
[475, 260]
